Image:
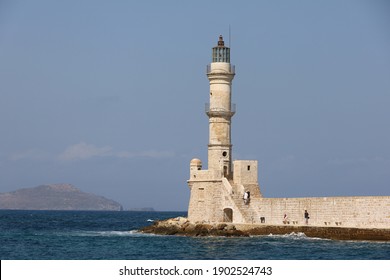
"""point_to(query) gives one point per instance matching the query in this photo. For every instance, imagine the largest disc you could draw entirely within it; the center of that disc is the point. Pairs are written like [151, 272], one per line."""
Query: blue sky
[109, 95]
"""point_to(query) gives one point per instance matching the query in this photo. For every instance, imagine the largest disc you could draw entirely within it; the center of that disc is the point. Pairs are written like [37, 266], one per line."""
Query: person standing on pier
[306, 217]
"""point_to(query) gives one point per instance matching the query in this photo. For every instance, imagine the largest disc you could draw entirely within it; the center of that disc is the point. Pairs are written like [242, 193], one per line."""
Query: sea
[100, 235]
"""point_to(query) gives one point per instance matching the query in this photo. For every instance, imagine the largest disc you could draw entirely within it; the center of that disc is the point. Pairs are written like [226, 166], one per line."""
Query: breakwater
[182, 226]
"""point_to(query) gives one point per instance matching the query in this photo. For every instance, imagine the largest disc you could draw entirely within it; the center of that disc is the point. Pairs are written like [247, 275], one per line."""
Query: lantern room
[220, 52]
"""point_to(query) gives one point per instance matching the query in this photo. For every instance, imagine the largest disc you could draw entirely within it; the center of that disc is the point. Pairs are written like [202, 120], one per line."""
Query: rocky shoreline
[182, 226]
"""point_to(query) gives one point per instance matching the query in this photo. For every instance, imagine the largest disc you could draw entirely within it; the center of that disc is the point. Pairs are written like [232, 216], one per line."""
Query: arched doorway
[228, 215]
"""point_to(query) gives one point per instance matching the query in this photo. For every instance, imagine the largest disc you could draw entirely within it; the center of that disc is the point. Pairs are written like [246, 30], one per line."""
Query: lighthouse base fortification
[219, 199]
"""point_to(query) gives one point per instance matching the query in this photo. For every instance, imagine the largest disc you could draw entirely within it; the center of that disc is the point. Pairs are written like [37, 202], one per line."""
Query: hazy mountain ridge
[56, 197]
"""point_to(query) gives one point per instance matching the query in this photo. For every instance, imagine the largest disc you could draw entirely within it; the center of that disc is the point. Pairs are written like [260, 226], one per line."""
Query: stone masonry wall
[210, 196]
[206, 201]
[209, 199]
[361, 212]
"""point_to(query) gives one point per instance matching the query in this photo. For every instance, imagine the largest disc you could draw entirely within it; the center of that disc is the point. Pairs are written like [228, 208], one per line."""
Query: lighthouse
[220, 110]
[228, 191]
[216, 191]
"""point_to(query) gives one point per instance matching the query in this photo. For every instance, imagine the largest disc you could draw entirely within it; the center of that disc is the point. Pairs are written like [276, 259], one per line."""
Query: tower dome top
[195, 161]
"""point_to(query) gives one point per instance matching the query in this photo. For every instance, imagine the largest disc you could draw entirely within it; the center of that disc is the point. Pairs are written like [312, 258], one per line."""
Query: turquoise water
[82, 235]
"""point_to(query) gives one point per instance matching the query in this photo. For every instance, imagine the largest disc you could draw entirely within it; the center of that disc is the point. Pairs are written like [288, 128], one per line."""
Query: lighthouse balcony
[220, 112]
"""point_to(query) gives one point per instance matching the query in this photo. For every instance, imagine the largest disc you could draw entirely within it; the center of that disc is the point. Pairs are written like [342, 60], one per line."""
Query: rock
[202, 229]
[221, 226]
[188, 227]
[181, 226]
[230, 228]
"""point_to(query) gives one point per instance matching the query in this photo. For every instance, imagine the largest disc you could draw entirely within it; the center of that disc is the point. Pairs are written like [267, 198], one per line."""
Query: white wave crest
[298, 235]
[109, 233]
[295, 236]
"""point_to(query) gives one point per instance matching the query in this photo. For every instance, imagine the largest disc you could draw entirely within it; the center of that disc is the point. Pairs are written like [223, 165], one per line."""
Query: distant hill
[56, 197]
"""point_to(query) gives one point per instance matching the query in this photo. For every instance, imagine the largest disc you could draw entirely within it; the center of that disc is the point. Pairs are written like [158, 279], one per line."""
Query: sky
[109, 95]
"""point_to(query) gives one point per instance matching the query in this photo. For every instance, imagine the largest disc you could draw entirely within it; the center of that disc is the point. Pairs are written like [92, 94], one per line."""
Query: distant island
[56, 197]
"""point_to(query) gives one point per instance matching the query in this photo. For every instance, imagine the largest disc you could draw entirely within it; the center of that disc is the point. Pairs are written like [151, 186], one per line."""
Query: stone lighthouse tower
[220, 109]
[216, 192]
